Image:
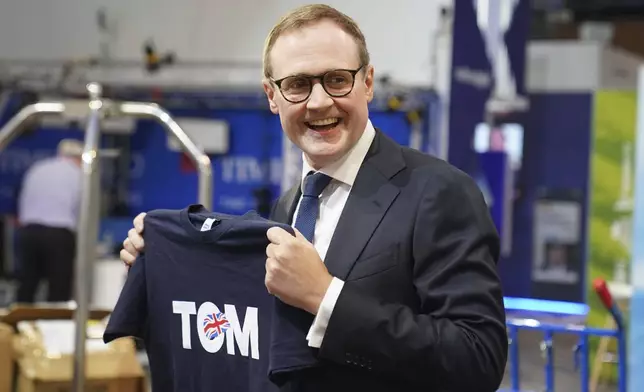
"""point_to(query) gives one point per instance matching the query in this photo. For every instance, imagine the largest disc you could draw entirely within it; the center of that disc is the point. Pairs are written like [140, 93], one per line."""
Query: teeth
[326, 121]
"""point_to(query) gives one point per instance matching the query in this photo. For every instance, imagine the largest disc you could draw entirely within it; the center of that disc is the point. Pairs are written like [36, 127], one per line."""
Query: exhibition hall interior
[210, 115]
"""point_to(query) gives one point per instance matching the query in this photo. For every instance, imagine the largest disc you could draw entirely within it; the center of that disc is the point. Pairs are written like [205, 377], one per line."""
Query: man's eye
[338, 79]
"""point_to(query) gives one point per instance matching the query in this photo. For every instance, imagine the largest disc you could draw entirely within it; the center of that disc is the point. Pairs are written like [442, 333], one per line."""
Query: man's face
[314, 50]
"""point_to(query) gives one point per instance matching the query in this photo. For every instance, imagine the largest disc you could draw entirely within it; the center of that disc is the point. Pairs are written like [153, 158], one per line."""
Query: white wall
[579, 66]
[557, 66]
[399, 34]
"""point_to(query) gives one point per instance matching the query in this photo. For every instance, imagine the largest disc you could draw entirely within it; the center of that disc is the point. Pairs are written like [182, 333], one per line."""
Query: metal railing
[582, 349]
[95, 110]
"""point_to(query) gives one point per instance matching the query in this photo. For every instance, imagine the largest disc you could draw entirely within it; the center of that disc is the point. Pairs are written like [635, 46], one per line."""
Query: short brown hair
[308, 14]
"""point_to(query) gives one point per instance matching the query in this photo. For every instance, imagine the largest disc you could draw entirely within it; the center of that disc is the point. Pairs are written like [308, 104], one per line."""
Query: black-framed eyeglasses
[337, 83]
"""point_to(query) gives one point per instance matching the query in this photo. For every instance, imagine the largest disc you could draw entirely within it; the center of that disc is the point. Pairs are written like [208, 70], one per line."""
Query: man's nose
[319, 99]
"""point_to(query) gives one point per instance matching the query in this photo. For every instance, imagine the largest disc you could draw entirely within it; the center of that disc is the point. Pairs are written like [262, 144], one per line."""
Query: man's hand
[133, 244]
[294, 271]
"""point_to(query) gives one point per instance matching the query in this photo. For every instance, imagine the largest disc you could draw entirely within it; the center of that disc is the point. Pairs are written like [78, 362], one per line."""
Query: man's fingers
[274, 252]
[136, 239]
[271, 268]
[138, 222]
[126, 257]
[128, 247]
[277, 235]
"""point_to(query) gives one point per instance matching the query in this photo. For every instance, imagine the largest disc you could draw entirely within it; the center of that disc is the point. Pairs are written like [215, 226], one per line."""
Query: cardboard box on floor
[44, 359]
[6, 358]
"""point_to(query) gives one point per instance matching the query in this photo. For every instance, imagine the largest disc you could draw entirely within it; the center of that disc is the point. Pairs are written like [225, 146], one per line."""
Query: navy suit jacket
[422, 307]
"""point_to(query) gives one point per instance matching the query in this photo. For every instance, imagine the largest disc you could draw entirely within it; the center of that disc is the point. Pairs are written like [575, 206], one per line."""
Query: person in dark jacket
[395, 256]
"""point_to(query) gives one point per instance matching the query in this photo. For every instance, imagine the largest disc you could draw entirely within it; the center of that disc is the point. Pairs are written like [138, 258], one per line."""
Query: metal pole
[514, 357]
[14, 127]
[9, 251]
[198, 157]
[585, 371]
[622, 366]
[87, 232]
[416, 135]
[549, 357]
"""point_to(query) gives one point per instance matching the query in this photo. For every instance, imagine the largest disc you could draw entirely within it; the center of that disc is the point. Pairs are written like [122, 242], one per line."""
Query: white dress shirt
[50, 194]
[332, 200]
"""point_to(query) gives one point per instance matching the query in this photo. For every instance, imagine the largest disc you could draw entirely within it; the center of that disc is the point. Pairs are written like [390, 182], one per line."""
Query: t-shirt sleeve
[131, 311]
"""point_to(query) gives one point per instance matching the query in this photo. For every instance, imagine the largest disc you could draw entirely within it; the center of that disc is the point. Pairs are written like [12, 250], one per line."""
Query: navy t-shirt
[197, 299]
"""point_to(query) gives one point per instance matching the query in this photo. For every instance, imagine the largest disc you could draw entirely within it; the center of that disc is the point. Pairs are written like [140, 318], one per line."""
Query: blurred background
[541, 101]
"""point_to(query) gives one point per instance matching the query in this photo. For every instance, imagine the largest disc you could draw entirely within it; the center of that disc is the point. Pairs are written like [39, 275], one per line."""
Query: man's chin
[320, 156]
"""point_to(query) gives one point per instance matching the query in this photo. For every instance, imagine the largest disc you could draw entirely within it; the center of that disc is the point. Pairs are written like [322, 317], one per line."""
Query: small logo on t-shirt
[215, 324]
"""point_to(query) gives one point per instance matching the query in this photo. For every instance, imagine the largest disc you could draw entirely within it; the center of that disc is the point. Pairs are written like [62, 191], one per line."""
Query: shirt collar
[346, 168]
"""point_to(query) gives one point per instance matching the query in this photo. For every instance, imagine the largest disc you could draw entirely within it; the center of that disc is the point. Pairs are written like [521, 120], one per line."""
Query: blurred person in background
[48, 206]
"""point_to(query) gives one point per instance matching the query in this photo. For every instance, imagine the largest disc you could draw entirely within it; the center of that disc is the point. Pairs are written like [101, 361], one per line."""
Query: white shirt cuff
[318, 328]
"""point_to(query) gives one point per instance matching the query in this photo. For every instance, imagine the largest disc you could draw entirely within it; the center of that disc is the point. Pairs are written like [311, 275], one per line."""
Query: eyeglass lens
[336, 83]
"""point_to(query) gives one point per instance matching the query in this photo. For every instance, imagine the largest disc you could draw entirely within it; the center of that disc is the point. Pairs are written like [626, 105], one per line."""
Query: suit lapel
[369, 200]
[370, 197]
[286, 205]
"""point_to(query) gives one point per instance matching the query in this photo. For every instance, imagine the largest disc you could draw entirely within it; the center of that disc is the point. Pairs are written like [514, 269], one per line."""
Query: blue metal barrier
[549, 329]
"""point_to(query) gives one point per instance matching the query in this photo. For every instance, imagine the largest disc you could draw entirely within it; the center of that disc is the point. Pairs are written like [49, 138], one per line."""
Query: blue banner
[160, 178]
[488, 60]
[484, 49]
[470, 85]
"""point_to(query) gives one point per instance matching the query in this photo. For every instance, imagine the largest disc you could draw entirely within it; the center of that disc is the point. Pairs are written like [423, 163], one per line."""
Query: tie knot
[315, 183]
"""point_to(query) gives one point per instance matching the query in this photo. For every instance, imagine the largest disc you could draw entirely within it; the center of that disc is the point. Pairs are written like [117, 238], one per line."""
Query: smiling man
[393, 266]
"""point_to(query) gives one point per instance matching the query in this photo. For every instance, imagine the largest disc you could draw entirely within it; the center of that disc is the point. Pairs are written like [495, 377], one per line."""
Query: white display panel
[507, 137]
[209, 134]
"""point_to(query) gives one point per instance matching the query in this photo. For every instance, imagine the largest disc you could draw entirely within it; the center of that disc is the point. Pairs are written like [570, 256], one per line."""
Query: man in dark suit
[394, 257]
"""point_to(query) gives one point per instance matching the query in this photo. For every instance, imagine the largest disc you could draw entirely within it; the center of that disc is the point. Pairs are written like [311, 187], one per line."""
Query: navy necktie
[309, 208]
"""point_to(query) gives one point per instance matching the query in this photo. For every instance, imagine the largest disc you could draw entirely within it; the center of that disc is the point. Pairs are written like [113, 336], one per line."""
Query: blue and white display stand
[636, 328]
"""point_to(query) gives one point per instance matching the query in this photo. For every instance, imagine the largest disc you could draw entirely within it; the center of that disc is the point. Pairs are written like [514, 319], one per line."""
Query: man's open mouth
[324, 124]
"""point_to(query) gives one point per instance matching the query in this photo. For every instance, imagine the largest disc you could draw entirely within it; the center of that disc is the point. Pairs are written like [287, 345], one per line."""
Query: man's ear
[269, 89]
[368, 82]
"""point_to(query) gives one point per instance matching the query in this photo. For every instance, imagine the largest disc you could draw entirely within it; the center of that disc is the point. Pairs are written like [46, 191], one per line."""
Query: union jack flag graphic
[215, 325]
